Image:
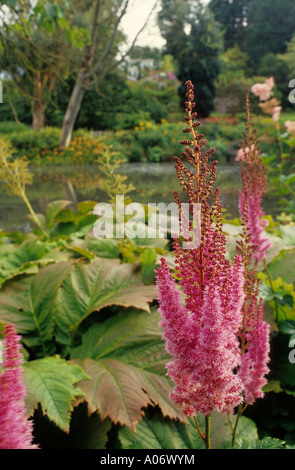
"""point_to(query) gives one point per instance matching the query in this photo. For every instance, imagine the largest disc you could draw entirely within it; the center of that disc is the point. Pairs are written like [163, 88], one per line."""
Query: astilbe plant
[252, 247]
[253, 177]
[15, 429]
[211, 314]
[201, 333]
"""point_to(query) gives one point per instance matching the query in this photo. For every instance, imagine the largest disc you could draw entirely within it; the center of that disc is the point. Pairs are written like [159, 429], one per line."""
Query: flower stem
[199, 429]
[207, 432]
[236, 425]
[34, 217]
[279, 140]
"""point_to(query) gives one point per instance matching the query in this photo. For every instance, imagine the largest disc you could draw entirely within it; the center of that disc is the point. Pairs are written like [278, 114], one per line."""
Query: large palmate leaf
[283, 266]
[93, 286]
[51, 382]
[126, 358]
[28, 257]
[265, 443]
[163, 433]
[28, 303]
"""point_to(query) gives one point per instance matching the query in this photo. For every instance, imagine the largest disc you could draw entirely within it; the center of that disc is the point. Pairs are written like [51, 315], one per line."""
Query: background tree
[36, 46]
[258, 27]
[46, 42]
[271, 65]
[271, 24]
[100, 55]
[195, 42]
[289, 57]
[231, 16]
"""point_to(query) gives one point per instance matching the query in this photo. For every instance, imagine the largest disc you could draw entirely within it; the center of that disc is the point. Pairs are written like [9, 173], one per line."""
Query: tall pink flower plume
[201, 325]
[204, 344]
[254, 367]
[252, 247]
[15, 429]
[253, 176]
[255, 222]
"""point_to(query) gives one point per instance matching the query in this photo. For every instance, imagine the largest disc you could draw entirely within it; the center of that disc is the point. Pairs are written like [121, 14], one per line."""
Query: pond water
[154, 182]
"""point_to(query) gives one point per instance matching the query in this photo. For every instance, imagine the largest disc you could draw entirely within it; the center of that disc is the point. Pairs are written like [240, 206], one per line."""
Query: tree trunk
[38, 115]
[73, 110]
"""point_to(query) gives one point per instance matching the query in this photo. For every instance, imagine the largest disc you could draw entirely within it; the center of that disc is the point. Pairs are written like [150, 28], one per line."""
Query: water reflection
[154, 182]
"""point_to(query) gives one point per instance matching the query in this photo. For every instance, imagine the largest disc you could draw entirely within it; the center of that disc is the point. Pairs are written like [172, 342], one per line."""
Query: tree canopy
[195, 42]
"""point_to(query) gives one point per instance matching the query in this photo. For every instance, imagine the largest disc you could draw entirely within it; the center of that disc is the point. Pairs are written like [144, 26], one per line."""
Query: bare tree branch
[115, 30]
[121, 60]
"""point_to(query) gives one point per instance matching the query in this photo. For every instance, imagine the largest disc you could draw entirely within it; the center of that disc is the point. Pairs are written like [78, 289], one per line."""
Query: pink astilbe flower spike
[255, 222]
[254, 367]
[253, 176]
[15, 429]
[254, 336]
[205, 352]
[201, 328]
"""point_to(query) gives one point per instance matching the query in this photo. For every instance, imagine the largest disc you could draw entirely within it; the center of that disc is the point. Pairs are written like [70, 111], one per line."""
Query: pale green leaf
[51, 381]
[28, 303]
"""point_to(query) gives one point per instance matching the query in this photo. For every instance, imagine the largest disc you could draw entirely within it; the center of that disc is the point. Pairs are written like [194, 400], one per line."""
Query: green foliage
[270, 27]
[195, 42]
[156, 432]
[85, 307]
[265, 443]
[94, 286]
[256, 26]
[30, 255]
[271, 65]
[289, 56]
[41, 147]
[51, 382]
[231, 17]
[14, 172]
[124, 350]
[31, 308]
[64, 296]
[113, 183]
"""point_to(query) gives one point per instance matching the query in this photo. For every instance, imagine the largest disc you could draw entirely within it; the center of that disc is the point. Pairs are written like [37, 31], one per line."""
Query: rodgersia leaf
[28, 303]
[28, 257]
[265, 443]
[51, 382]
[93, 286]
[125, 357]
[162, 433]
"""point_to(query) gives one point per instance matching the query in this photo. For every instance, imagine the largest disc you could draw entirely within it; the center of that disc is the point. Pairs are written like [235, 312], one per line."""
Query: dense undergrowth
[147, 141]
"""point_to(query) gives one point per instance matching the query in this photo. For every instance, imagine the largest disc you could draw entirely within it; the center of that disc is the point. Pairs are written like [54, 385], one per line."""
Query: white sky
[135, 19]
